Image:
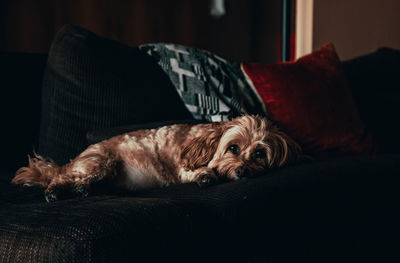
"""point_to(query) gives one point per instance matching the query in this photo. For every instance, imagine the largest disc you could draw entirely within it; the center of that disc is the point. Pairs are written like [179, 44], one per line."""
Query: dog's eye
[259, 153]
[233, 149]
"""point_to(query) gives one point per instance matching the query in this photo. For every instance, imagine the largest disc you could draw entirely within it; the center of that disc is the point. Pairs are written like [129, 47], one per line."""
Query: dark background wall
[248, 32]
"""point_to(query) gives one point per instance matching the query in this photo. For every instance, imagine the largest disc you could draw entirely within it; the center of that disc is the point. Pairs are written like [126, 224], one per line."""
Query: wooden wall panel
[248, 32]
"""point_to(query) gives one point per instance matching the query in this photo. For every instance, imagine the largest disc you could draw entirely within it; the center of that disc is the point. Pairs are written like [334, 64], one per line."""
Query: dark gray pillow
[93, 83]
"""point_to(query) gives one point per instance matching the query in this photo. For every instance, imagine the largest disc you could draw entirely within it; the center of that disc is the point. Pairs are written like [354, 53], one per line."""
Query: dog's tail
[39, 172]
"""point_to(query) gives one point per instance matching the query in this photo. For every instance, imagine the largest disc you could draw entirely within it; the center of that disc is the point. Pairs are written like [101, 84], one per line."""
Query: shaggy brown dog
[181, 153]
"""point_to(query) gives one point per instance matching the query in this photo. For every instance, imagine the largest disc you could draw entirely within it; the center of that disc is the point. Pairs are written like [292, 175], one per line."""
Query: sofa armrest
[21, 76]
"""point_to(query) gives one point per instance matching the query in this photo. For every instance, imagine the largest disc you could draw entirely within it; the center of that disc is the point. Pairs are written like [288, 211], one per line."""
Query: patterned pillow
[211, 88]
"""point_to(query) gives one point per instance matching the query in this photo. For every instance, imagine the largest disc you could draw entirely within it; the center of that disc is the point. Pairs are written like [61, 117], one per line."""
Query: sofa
[336, 207]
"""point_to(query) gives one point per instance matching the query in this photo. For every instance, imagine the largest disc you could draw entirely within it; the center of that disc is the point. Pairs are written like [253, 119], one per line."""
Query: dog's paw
[50, 196]
[206, 178]
[82, 190]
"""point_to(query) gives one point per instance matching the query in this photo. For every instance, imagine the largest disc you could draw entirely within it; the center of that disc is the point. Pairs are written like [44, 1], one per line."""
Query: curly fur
[181, 153]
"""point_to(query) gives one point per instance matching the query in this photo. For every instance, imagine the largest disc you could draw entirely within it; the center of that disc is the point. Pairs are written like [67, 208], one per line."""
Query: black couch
[337, 209]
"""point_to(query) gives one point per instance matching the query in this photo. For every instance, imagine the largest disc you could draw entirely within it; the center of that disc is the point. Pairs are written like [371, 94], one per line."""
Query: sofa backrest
[374, 81]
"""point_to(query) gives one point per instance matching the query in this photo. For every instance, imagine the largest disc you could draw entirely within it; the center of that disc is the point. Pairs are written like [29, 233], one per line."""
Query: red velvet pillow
[311, 100]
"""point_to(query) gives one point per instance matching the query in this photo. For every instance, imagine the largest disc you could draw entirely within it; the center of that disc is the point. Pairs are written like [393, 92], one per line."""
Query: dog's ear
[200, 151]
[285, 149]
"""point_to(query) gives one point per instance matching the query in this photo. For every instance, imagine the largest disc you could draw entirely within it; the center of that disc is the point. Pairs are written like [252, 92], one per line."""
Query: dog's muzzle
[242, 172]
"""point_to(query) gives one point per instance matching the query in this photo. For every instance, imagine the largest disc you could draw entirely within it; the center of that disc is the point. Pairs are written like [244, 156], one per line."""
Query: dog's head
[242, 147]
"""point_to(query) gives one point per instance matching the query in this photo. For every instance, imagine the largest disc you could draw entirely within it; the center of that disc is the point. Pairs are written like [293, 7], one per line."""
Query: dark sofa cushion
[92, 83]
[375, 83]
[337, 209]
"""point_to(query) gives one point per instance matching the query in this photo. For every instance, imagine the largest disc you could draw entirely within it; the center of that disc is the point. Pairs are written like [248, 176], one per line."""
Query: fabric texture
[341, 208]
[92, 83]
[211, 87]
[311, 100]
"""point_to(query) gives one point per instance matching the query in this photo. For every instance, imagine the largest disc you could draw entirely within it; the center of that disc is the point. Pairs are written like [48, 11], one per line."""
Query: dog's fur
[181, 153]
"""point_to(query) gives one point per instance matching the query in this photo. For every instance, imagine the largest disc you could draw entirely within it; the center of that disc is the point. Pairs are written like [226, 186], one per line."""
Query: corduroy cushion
[311, 100]
[92, 83]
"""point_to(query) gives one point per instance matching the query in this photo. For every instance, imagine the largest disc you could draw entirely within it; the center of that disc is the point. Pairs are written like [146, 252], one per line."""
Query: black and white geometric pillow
[211, 88]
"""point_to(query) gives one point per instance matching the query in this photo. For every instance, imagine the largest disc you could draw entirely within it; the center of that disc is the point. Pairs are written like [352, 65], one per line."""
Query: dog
[180, 153]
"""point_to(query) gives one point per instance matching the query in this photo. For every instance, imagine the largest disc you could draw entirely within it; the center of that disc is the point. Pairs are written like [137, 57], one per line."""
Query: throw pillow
[93, 83]
[211, 87]
[311, 100]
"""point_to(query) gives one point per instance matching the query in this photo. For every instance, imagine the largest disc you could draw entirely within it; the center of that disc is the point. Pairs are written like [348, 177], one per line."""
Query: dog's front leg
[203, 176]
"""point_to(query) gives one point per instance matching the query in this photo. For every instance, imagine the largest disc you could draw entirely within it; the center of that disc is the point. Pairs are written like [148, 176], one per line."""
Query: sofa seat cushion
[344, 207]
